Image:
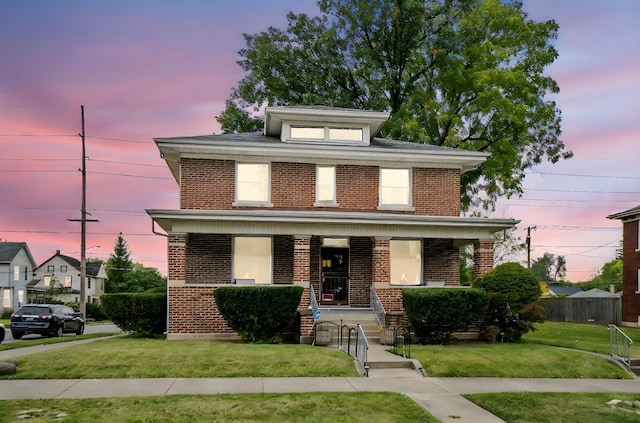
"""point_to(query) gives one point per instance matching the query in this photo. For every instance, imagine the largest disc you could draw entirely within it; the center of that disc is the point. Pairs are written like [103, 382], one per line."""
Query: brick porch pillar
[381, 261]
[301, 259]
[482, 257]
[177, 257]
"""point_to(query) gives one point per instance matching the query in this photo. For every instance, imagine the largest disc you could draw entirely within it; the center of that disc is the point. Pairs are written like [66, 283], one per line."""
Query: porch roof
[307, 223]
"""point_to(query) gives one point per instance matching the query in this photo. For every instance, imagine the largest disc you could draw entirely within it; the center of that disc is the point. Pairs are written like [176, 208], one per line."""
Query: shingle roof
[8, 250]
[593, 293]
[624, 214]
[260, 138]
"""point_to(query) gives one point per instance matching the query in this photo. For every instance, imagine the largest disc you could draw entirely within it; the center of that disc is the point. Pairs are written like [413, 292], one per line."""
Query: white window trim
[233, 259]
[396, 207]
[326, 203]
[16, 272]
[638, 282]
[421, 266]
[285, 134]
[249, 203]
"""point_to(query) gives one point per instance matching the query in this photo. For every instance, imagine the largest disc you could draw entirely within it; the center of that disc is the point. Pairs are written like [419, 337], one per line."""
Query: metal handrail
[378, 308]
[313, 302]
[620, 345]
[362, 348]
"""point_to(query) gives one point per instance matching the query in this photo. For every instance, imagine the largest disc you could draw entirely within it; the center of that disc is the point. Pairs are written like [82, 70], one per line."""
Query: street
[89, 329]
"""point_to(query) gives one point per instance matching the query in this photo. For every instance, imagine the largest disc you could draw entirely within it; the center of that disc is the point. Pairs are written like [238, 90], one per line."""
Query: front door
[334, 288]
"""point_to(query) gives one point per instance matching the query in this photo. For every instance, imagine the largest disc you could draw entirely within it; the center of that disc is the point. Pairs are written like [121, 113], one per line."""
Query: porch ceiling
[275, 222]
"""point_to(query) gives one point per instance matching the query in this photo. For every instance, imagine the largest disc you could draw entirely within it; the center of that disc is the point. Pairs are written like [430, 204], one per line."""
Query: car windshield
[33, 310]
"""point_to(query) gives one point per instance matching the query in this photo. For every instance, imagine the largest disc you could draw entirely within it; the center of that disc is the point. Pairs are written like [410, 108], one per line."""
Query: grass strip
[521, 407]
[302, 407]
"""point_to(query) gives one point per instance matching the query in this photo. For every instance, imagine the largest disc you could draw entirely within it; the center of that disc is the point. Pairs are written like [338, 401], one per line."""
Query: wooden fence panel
[584, 310]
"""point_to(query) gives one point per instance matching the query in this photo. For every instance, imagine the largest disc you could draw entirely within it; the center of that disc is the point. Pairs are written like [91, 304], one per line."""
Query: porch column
[482, 257]
[381, 261]
[177, 258]
[301, 258]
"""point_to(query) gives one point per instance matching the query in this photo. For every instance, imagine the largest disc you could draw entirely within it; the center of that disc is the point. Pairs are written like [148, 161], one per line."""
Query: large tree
[456, 73]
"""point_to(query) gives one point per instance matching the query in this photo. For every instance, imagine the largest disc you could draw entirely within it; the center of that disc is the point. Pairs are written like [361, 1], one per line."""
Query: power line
[584, 175]
[127, 163]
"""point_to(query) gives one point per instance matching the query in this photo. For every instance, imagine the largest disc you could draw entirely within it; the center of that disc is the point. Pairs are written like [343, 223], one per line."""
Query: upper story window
[252, 183]
[16, 273]
[395, 188]
[51, 268]
[326, 185]
[328, 134]
[63, 268]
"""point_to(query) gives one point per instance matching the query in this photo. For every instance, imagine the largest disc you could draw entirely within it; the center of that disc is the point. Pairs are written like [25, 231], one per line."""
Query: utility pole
[529, 246]
[83, 224]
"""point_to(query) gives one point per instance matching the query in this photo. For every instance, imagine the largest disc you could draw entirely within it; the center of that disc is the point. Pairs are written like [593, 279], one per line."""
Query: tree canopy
[456, 73]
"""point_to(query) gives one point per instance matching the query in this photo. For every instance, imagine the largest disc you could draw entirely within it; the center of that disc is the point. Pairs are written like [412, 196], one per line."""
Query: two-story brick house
[315, 200]
[630, 265]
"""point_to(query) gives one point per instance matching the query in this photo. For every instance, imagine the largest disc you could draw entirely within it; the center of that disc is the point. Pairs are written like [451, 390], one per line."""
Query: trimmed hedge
[143, 314]
[259, 313]
[435, 313]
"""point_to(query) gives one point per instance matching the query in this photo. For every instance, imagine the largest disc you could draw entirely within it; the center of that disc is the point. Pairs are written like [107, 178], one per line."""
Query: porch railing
[378, 308]
[313, 301]
[620, 345]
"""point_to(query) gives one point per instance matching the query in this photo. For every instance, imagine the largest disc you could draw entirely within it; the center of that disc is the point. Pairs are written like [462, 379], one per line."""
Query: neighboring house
[16, 271]
[63, 273]
[558, 290]
[630, 265]
[317, 201]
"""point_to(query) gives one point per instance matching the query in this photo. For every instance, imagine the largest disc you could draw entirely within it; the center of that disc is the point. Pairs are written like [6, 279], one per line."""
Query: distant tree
[549, 268]
[118, 265]
[609, 274]
[143, 279]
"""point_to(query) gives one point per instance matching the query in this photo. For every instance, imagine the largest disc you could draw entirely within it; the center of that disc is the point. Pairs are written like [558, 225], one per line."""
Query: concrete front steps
[635, 366]
[381, 362]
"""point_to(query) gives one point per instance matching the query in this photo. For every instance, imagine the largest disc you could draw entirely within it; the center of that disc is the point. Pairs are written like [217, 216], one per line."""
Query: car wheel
[59, 331]
[2, 334]
[16, 334]
[80, 330]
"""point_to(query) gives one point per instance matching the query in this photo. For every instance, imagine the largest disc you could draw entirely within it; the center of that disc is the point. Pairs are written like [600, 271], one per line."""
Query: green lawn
[302, 407]
[472, 359]
[126, 357]
[525, 407]
[587, 337]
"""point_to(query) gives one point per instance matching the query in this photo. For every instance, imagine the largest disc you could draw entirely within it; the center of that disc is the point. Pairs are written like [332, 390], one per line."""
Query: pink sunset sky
[146, 69]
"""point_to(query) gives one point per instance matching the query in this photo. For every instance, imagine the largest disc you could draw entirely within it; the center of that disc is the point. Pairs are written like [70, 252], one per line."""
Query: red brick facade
[630, 266]
[203, 258]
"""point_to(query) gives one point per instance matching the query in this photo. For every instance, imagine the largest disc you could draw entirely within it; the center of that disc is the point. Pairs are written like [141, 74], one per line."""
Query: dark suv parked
[47, 320]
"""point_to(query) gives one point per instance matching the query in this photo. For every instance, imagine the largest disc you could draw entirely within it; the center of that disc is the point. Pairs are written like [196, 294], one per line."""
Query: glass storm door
[334, 288]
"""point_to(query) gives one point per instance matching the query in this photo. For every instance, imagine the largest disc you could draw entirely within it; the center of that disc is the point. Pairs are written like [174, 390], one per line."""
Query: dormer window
[340, 134]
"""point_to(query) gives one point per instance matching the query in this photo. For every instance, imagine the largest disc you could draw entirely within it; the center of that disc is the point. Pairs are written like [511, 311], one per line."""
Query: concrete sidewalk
[440, 396]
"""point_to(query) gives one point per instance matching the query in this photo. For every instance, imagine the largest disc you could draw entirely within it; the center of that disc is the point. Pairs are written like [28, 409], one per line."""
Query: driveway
[89, 329]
